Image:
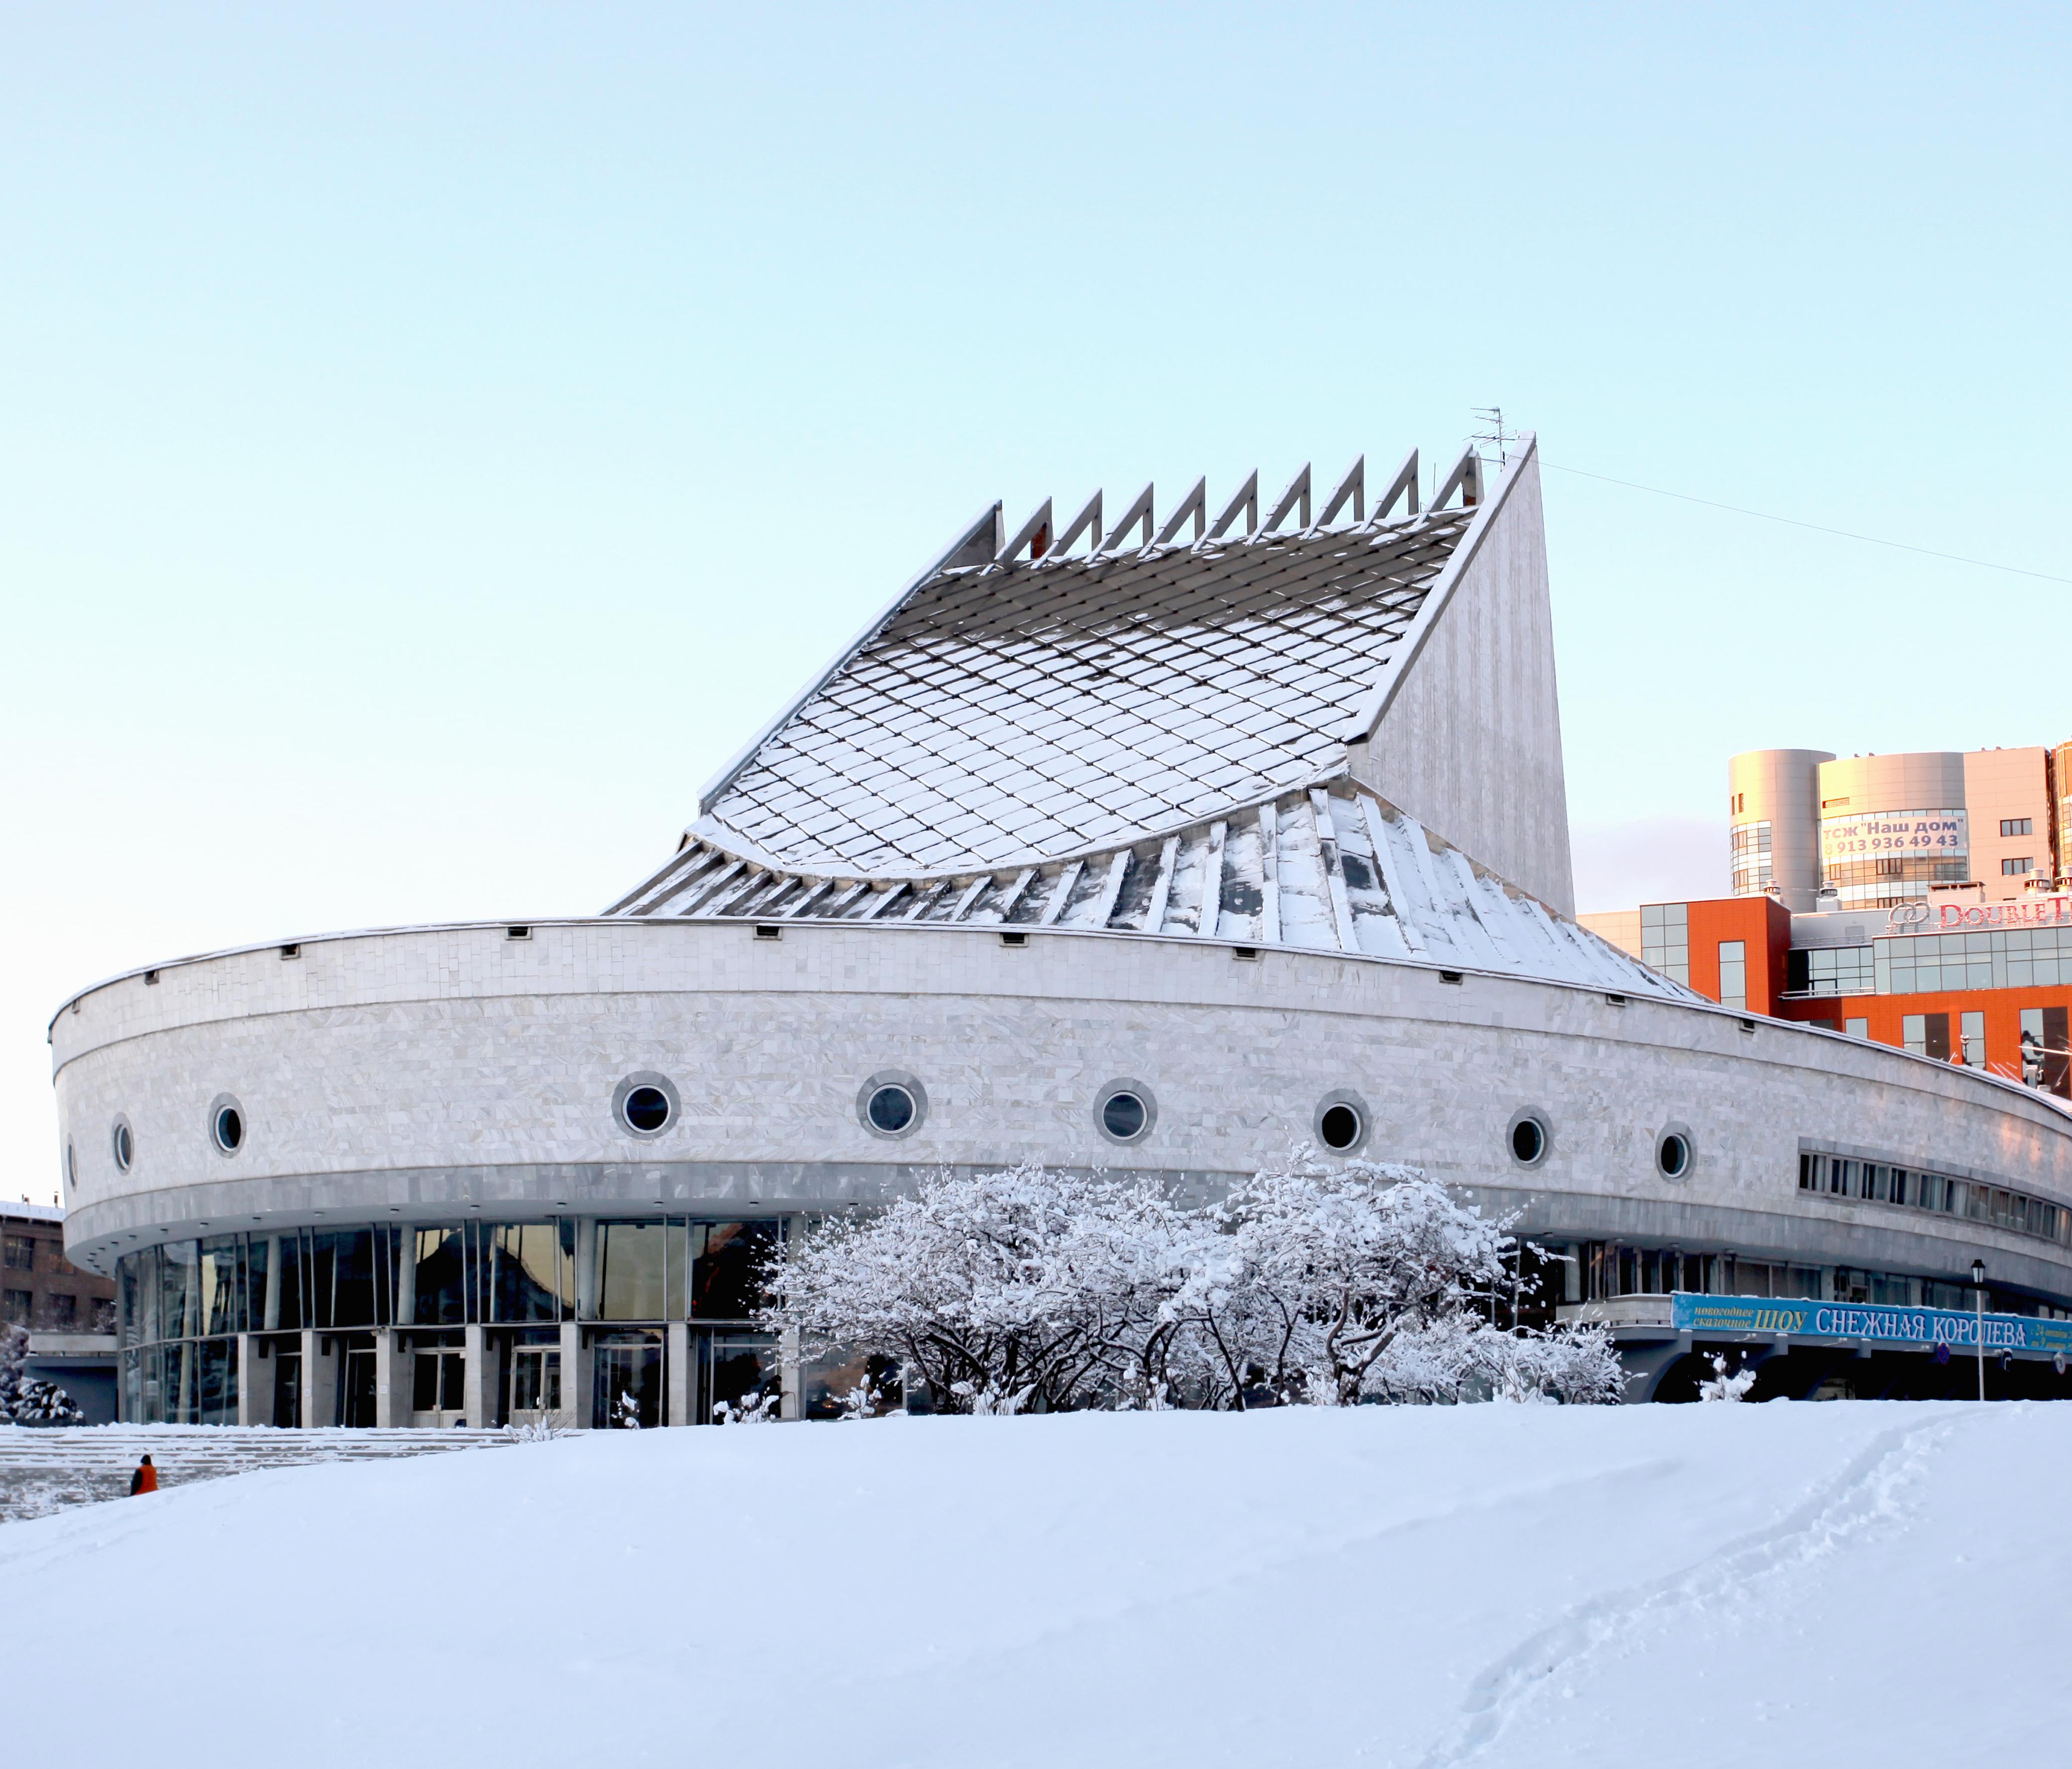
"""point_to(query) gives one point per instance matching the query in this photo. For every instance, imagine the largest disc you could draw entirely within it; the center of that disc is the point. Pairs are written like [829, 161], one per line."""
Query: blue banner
[1867, 1321]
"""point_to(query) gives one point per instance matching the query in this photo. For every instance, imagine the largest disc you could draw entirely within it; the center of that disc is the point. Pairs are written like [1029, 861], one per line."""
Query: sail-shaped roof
[1167, 736]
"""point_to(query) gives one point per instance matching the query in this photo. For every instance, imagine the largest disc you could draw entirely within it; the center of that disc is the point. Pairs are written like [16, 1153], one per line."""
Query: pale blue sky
[433, 438]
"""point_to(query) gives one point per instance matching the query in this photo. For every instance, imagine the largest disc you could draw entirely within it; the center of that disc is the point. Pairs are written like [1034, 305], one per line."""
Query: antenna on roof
[1490, 417]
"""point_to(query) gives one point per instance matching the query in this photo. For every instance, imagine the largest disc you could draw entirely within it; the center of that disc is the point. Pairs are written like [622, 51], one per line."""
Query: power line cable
[1790, 521]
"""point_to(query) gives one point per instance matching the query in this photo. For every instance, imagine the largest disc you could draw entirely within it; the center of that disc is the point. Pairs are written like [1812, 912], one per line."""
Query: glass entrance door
[356, 1399]
[536, 1383]
[439, 1388]
[737, 1377]
[628, 1389]
[287, 1390]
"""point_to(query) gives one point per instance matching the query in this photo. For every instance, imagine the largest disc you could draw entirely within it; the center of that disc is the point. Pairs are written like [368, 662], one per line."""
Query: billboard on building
[1890, 835]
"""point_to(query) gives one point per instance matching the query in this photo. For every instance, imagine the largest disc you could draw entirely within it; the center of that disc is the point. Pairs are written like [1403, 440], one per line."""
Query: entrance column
[257, 1372]
[790, 1374]
[495, 1378]
[676, 1402]
[320, 1378]
[576, 1383]
[392, 1381]
[475, 1390]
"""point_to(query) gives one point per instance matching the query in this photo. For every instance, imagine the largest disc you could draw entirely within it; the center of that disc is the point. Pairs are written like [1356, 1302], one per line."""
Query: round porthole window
[1672, 1153]
[892, 1104]
[647, 1108]
[1123, 1117]
[1340, 1121]
[226, 1123]
[1124, 1112]
[124, 1145]
[646, 1103]
[890, 1108]
[1528, 1139]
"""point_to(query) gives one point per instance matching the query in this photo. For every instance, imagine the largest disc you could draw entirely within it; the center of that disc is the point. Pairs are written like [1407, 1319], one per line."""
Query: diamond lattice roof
[1039, 709]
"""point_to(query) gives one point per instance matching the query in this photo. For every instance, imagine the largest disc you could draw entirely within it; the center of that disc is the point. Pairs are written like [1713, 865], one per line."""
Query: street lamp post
[1979, 1288]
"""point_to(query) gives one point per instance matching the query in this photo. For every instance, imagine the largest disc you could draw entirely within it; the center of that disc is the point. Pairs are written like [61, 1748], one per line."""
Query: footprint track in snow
[1870, 1489]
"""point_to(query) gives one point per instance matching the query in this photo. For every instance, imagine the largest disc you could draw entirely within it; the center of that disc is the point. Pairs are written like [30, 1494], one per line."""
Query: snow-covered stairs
[46, 1471]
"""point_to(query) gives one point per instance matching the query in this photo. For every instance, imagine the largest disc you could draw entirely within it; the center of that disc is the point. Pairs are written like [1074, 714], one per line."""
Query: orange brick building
[1988, 985]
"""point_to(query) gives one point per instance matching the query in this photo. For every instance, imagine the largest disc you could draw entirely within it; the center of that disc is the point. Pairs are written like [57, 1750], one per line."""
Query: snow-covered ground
[1667, 1586]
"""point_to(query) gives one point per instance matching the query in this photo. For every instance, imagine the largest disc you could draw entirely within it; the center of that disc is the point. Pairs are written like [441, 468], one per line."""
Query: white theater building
[1159, 844]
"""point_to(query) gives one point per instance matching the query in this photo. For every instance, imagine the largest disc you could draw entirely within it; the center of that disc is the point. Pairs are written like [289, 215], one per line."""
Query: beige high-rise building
[1821, 832]
[2008, 793]
[1773, 814]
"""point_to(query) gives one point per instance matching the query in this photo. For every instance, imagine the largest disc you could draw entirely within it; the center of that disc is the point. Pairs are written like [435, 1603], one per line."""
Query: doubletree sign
[1944, 918]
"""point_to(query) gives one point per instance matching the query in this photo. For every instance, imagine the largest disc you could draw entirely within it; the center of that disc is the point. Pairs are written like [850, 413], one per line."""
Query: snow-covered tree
[14, 1348]
[1459, 1357]
[1316, 1281]
[1577, 1366]
[1323, 1264]
[28, 1399]
[542, 1431]
[1006, 1292]
[863, 1401]
[1723, 1386]
[39, 1402]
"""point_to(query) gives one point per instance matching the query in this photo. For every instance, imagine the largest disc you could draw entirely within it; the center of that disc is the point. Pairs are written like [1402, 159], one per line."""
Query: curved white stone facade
[420, 1073]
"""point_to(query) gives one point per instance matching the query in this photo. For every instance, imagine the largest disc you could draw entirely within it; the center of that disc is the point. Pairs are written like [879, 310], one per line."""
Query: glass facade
[1926, 1035]
[1604, 1271]
[535, 1379]
[632, 1263]
[1829, 970]
[841, 1384]
[628, 1387]
[432, 1278]
[184, 1382]
[1885, 1182]
[1978, 960]
[181, 1308]
[2046, 1049]
[1733, 973]
[1665, 938]
[531, 1270]
[2006, 958]
[736, 1371]
[1749, 857]
[1972, 1040]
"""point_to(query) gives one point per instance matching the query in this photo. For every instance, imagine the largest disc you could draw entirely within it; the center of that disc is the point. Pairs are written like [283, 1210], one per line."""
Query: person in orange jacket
[146, 1479]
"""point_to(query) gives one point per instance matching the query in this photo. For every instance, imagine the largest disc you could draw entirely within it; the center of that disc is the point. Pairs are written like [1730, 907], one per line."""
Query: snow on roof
[33, 1212]
[1328, 867]
[1041, 706]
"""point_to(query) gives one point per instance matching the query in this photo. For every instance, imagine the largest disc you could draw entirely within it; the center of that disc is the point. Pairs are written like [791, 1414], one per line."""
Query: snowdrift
[1690, 1585]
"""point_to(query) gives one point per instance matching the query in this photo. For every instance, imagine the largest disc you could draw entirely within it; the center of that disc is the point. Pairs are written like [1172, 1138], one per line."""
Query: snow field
[1413, 1586]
